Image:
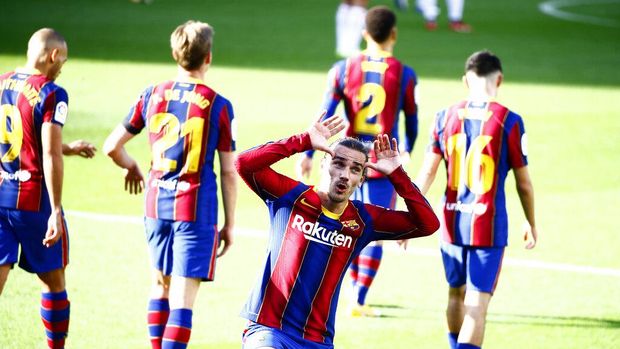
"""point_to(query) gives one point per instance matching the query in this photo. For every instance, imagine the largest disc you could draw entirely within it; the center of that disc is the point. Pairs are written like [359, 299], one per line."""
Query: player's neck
[377, 48]
[183, 74]
[332, 206]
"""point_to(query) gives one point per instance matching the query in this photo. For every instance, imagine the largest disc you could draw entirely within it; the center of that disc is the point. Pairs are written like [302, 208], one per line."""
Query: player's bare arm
[79, 147]
[51, 144]
[228, 180]
[114, 147]
[526, 195]
[427, 173]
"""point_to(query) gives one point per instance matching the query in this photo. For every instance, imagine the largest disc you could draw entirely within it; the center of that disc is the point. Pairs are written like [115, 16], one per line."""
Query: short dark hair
[380, 21]
[483, 63]
[355, 144]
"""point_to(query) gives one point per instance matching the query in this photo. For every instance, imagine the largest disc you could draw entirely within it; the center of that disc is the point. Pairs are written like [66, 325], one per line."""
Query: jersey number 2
[172, 131]
[11, 131]
[476, 169]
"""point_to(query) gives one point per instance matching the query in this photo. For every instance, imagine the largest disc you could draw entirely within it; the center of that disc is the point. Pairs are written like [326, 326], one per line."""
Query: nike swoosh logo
[304, 202]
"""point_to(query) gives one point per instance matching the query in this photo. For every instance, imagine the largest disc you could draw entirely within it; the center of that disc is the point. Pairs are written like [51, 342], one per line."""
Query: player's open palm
[388, 156]
[55, 229]
[322, 131]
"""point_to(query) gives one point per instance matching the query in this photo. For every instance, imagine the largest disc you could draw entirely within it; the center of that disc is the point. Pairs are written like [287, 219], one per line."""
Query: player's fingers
[322, 115]
[224, 249]
[339, 128]
[394, 144]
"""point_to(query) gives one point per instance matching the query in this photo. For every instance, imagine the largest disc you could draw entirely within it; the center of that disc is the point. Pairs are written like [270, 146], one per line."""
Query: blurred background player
[350, 17]
[480, 140]
[374, 87]
[430, 11]
[33, 111]
[186, 122]
[316, 232]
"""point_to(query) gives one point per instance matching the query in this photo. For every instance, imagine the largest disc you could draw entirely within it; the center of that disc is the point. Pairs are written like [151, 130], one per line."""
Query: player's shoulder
[509, 116]
[6, 75]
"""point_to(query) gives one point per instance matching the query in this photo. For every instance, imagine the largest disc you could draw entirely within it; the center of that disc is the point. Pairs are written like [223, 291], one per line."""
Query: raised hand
[322, 131]
[388, 156]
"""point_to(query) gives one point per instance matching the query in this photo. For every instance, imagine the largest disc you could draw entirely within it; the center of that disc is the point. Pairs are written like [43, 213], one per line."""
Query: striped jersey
[480, 142]
[186, 122]
[27, 100]
[310, 248]
[374, 89]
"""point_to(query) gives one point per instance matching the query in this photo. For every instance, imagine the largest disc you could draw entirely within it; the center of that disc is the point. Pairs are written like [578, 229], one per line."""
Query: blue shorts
[258, 336]
[185, 249]
[27, 229]
[376, 191]
[478, 267]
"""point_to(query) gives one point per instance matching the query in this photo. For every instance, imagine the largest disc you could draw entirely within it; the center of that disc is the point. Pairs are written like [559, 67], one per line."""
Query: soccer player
[186, 122]
[430, 11]
[316, 232]
[374, 87]
[480, 140]
[33, 110]
[349, 26]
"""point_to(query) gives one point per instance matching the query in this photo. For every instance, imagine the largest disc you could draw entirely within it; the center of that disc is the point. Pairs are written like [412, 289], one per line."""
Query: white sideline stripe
[418, 251]
[552, 8]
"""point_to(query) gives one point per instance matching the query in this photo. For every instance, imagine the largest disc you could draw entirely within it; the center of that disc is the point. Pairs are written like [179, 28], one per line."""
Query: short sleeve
[56, 107]
[435, 140]
[228, 129]
[517, 143]
[134, 121]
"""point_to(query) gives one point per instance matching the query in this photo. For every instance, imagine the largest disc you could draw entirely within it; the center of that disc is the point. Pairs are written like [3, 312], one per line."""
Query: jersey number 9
[11, 131]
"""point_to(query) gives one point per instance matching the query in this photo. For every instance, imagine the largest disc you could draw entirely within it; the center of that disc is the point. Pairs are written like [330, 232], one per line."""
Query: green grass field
[562, 77]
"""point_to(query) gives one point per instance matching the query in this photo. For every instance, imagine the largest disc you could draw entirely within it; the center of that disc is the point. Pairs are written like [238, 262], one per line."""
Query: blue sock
[55, 311]
[452, 339]
[157, 318]
[368, 264]
[178, 329]
[466, 346]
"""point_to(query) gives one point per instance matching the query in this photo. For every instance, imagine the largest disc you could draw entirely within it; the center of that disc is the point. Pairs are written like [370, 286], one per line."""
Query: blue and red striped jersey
[27, 100]
[480, 142]
[374, 89]
[186, 122]
[310, 248]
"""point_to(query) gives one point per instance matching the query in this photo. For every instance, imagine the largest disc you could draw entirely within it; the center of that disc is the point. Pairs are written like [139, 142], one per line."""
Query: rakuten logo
[20, 175]
[313, 231]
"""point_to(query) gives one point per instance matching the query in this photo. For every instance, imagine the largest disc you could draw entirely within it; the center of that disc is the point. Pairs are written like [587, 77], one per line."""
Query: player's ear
[500, 79]
[53, 55]
[208, 58]
[394, 34]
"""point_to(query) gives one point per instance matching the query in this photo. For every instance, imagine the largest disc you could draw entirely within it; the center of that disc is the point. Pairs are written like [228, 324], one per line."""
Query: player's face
[346, 173]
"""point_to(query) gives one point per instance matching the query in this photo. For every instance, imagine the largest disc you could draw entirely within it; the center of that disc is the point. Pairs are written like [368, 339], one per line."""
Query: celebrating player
[480, 140]
[187, 122]
[317, 232]
[375, 87]
[33, 111]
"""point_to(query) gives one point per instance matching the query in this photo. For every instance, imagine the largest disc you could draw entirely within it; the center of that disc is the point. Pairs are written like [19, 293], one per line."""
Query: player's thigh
[30, 228]
[9, 245]
[159, 238]
[454, 259]
[195, 250]
[483, 268]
